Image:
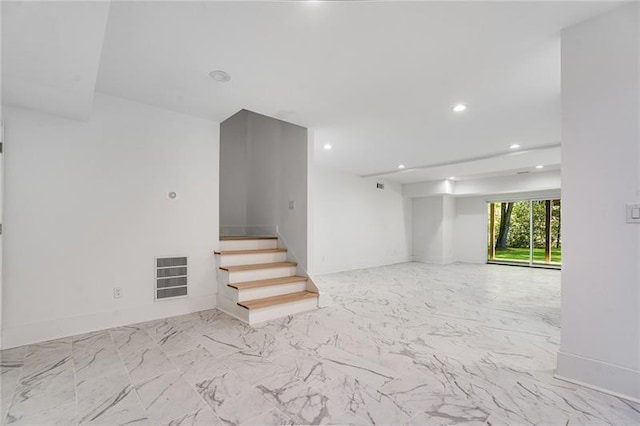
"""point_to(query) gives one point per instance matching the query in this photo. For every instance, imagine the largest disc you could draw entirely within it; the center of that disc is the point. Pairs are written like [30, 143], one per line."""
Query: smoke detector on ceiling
[220, 76]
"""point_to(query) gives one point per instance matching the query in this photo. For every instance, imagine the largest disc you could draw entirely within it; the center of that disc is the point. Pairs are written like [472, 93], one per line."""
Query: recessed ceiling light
[451, 177]
[401, 166]
[540, 166]
[327, 146]
[514, 146]
[459, 108]
[219, 75]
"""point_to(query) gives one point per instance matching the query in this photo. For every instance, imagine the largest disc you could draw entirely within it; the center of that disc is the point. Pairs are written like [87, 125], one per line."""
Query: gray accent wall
[263, 168]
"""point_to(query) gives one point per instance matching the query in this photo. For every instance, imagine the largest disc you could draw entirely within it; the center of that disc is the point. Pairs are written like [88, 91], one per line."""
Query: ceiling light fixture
[327, 146]
[459, 108]
[540, 166]
[514, 146]
[451, 178]
[220, 76]
[401, 166]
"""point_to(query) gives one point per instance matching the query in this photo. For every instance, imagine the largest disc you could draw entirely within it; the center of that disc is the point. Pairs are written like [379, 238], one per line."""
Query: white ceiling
[509, 163]
[376, 80]
[50, 55]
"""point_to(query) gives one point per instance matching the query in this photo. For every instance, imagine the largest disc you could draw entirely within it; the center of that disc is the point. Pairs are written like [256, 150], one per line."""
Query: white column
[600, 344]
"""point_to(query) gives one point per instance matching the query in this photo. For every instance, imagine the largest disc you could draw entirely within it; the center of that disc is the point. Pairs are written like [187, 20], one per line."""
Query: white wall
[86, 209]
[263, 168]
[355, 225]
[428, 189]
[448, 226]
[470, 230]
[428, 229]
[433, 229]
[600, 174]
[1, 189]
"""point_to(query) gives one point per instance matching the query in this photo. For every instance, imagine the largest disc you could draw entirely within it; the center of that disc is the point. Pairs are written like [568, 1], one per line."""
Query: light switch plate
[633, 213]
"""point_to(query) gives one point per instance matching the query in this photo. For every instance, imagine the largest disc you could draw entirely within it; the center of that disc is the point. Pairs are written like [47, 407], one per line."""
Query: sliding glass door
[524, 232]
[546, 232]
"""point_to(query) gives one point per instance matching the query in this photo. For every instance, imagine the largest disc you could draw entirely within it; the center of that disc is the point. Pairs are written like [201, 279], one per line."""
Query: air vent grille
[380, 185]
[171, 277]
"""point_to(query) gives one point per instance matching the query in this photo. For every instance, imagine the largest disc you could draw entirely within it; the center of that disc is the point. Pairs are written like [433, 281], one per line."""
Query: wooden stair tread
[277, 300]
[256, 251]
[266, 283]
[257, 266]
[248, 237]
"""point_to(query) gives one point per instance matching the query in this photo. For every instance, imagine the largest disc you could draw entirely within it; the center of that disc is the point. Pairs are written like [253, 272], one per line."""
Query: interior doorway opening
[525, 232]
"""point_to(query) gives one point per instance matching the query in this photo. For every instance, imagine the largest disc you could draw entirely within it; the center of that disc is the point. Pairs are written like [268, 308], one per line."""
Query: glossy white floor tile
[402, 344]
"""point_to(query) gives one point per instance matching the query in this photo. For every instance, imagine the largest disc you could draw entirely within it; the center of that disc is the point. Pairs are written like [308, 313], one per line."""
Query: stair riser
[279, 311]
[248, 244]
[275, 290]
[261, 274]
[250, 259]
[226, 291]
[231, 307]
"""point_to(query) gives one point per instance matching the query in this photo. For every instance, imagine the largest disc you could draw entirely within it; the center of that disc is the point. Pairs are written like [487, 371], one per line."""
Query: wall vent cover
[380, 185]
[171, 277]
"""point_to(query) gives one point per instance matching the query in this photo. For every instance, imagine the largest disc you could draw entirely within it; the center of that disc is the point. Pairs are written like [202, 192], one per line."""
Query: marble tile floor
[402, 344]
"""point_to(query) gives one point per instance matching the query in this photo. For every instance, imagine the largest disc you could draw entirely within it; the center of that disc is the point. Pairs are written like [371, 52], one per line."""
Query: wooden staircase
[257, 283]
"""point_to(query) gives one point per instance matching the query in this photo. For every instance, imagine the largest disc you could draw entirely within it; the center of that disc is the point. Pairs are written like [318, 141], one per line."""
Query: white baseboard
[433, 260]
[613, 379]
[482, 261]
[324, 300]
[64, 327]
[231, 308]
[333, 268]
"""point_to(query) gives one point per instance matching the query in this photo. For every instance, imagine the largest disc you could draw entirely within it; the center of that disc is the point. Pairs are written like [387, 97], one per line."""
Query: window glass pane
[556, 236]
[539, 231]
[511, 231]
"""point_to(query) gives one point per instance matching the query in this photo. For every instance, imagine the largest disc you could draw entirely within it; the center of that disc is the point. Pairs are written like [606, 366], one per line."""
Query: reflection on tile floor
[402, 344]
